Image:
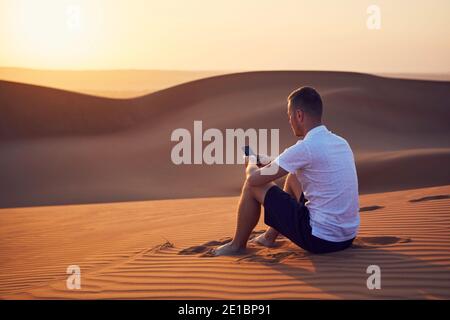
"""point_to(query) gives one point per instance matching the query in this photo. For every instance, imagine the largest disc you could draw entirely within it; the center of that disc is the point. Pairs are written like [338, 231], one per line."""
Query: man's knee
[247, 187]
[258, 192]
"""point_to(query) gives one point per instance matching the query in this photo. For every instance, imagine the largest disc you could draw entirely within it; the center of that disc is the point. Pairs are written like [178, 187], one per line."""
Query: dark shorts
[290, 217]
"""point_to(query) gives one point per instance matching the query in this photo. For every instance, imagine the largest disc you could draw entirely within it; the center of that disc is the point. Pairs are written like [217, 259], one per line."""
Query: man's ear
[300, 114]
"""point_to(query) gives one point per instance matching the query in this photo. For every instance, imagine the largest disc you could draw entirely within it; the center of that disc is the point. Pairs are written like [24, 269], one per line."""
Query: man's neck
[312, 126]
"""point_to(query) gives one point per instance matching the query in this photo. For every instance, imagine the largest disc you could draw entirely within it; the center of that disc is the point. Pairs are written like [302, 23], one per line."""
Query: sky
[413, 35]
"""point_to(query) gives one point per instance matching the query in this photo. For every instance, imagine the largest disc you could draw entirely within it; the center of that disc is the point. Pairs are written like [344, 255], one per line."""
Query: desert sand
[88, 181]
[156, 250]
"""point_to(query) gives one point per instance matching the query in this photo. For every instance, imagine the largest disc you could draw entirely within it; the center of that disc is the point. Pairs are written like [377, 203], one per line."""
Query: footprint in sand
[206, 248]
[375, 242]
[370, 208]
[158, 248]
[429, 198]
[255, 253]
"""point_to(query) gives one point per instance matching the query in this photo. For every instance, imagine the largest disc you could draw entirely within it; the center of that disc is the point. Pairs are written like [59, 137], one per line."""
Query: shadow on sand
[344, 274]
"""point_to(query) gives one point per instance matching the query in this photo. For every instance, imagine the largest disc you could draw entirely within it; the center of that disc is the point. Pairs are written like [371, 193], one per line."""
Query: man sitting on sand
[318, 209]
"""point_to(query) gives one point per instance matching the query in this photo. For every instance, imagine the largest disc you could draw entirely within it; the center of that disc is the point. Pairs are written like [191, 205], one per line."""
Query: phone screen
[248, 151]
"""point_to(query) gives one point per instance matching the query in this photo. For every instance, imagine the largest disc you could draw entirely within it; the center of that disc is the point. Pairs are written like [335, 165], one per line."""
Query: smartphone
[249, 152]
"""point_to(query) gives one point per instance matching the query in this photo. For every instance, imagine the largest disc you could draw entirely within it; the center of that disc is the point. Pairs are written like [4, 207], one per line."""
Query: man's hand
[257, 176]
[264, 160]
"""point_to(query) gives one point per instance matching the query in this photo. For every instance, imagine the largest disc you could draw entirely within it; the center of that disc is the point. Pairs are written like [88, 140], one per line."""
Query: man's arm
[259, 176]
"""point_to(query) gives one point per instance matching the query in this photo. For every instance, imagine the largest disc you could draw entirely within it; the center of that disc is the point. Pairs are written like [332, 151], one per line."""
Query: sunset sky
[225, 35]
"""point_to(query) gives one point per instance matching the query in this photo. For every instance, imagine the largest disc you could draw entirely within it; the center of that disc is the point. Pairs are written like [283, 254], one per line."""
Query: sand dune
[155, 249]
[60, 147]
[104, 83]
[443, 76]
[393, 170]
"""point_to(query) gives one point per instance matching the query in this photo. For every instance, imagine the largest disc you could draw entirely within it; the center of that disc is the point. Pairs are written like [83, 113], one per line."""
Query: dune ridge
[120, 84]
[61, 147]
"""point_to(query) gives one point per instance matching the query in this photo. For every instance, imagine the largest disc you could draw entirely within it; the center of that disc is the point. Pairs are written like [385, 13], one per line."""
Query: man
[318, 209]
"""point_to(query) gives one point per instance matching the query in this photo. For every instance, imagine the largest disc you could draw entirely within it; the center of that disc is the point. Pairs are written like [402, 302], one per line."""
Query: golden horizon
[226, 35]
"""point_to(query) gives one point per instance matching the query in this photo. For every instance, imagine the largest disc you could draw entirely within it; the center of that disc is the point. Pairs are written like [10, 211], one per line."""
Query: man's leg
[293, 187]
[249, 211]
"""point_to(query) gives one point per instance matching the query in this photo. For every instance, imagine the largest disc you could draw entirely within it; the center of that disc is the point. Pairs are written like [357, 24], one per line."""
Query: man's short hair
[308, 100]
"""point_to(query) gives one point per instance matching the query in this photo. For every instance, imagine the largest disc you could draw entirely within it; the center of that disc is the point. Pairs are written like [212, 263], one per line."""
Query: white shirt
[324, 164]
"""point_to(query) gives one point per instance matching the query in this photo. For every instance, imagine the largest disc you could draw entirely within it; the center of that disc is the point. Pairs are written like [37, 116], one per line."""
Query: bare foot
[227, 250]
[262, 240]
